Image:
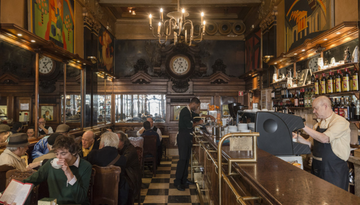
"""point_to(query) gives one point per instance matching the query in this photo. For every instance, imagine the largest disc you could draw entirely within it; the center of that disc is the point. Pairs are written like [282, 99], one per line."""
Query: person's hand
[141, 130]
[41, 126]
[64, 165]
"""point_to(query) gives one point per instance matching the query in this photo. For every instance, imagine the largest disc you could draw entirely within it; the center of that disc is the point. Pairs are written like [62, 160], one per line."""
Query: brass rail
[239, 198]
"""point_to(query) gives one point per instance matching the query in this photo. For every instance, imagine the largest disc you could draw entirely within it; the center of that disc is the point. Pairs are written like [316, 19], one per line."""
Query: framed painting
[53, 20]
[106, 51]
[49, 112]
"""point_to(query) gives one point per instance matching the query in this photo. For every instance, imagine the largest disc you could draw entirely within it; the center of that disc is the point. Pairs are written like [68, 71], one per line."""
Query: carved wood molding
[141, 77]
[219, 78]
[8, 78]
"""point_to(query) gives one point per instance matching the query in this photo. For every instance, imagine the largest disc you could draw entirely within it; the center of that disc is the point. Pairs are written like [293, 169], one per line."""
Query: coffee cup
[55, 164]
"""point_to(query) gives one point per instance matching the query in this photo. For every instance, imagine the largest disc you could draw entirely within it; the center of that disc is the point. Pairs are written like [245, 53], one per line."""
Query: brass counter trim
[239, 198]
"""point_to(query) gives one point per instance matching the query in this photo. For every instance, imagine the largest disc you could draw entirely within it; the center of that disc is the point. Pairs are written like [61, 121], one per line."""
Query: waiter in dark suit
[184, 142]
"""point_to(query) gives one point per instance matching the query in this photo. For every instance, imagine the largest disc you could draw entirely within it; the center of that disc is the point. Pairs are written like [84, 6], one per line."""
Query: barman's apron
[331, 168]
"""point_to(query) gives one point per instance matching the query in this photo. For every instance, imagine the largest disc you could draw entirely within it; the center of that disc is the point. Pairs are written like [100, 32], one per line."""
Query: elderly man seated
[4, 132]
[43, 129]
[107, 155]
[16, 147]
[41, 148]
[68, 183]
[88, 143]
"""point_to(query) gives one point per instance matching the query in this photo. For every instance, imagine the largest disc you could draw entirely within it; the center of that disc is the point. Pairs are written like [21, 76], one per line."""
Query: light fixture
[275, 63]
[295, 54]
[32, 41]
[176, 26]
[337, 33]
[303, 50]
[133, 12]
[19, 34]
[325, 39]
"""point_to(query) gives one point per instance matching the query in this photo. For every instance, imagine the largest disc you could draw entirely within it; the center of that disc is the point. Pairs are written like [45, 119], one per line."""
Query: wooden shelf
[299, 87]
[338, 94]
[278, 82]
[300, 108]
[339, 34]
[341, 67]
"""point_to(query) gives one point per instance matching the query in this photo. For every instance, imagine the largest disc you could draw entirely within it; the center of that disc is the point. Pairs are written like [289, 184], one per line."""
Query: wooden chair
[150, 152]
[3, 170]
[90, 193]
[106, 184]
[19, 175]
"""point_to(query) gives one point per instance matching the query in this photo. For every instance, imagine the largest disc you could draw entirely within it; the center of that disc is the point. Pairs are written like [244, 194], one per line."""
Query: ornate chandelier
[176, 25]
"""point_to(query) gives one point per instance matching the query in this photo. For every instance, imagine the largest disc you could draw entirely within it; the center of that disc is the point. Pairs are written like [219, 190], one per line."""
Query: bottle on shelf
[312, 96]
[307, 98]
[357, 110]
[292, 99]
[336, 106]
[355, 80]
[351, 109]
[330, 83]
[282, 91]
[323, 84]
[301, 98]
[346, 81]
[296, 100]
[338, 82]
[273, 93]
[341, 107]
[346, 109]
[316, 84]
[313, 79]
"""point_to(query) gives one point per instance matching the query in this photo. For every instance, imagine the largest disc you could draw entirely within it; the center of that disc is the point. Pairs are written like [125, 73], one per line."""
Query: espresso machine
[234, 109]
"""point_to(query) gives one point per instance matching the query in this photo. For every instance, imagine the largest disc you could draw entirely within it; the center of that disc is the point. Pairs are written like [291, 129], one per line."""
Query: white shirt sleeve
[50, 130]
[159, 133]
[138, 133]
[72, 181]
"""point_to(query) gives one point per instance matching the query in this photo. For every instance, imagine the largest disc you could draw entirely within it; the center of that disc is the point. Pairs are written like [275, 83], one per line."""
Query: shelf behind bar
[281, 81]
[339, 94]
[299, 87]
[341, 67]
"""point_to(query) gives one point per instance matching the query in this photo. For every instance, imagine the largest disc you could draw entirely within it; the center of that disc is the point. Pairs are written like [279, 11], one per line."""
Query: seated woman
[70, 183]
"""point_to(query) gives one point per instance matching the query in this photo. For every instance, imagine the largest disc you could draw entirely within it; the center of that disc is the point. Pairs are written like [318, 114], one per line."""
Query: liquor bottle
[352, 109]
[323, 84]
[336, 106]
[282, 91]
[301, 99]
[312, 96]
[346, 81]
[273, 93]
[292, 99]
[357, 112]
[307, 98]
[296, 100]
[338, 82]
[286, 92]
[355, 80]
[346, 109]
[316, 85]
[313, 79]
[341, 107]
[330, 83]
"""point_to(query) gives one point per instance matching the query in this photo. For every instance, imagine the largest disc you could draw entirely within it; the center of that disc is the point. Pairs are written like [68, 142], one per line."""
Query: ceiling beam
[149, 3]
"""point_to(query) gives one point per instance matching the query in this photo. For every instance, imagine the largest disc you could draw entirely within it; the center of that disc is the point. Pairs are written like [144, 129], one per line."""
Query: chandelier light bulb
[159, 27]
[161, 10]
[183, 11]
[161, 14]
[150, 20]
[202, 17]
[204, 22]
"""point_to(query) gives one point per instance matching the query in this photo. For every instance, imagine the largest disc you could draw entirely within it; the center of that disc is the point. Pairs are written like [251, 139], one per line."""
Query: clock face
[313, 64]
[180, 65]
[46, 65]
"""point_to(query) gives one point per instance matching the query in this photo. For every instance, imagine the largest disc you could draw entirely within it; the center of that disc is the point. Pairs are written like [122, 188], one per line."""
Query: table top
[165, 136]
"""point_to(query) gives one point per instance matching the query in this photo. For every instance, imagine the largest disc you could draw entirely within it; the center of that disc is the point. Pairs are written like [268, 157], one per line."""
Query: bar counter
[274, 180]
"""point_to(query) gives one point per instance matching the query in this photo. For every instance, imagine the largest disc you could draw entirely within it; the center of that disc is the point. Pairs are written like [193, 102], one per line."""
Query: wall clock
[313, 64]
[179, 66]
[46, 65]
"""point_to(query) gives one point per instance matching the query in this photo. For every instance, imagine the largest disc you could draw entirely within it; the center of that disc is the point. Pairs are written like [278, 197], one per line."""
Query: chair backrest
[139, 151]
[150, 146]
[90, 193]
[3, 170]
[106, 184]
[19, 175]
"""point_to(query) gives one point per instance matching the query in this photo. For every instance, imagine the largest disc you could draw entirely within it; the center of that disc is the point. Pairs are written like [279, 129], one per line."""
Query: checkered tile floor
[160, 190]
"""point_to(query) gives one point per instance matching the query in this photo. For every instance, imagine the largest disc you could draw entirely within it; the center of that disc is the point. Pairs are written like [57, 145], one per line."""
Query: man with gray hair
[16, 147]
[107, 155]
[330, 140]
